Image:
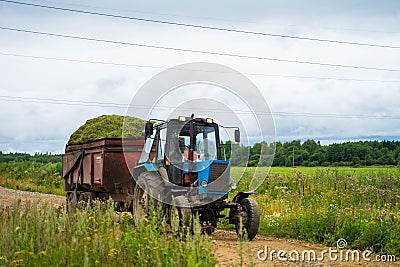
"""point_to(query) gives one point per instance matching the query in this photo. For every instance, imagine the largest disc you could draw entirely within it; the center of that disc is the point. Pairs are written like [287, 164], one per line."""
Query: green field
[342, 170]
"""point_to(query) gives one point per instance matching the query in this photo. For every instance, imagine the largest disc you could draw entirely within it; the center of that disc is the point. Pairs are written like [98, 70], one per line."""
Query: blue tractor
[182, 167]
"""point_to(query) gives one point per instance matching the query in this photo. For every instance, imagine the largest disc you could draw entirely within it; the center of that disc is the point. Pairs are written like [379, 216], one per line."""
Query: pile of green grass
[108, 126]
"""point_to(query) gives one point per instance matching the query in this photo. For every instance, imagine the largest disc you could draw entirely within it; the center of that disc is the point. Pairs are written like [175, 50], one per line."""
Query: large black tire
[249, 213]
[147, 193]
[180, 216]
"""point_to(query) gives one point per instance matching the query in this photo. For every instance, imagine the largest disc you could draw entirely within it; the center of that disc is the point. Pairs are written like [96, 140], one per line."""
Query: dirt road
[262, 251]
[229, 251]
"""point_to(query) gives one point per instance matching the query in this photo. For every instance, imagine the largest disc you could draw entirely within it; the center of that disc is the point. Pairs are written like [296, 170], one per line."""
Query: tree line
[37, 157]
[311, 153]
[295, 153]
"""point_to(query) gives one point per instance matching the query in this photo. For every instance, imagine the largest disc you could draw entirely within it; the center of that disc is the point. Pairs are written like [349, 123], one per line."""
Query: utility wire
[330, 28]
[197, 51]
[201, 26]
[163, 107]
[200, 70]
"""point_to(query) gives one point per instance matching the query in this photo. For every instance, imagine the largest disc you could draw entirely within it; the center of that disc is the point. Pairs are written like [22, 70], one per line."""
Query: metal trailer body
[99, 169]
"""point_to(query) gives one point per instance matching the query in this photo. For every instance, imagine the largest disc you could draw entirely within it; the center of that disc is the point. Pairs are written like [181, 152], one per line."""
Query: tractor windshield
[204, 143]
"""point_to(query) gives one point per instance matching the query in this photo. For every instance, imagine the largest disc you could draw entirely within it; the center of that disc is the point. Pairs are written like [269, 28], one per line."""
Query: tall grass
[362, 207]
[42, 235]
[319, 205]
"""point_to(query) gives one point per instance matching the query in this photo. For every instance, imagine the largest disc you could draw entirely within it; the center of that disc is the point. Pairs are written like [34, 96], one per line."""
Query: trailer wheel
[180, 216]
[247, 218]
[147, 193]
[70, 201]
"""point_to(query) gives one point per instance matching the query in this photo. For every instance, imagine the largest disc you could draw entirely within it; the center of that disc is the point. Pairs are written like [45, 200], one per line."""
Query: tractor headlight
[209, 120]
[233, 186]
[182, 118]
[203, 183]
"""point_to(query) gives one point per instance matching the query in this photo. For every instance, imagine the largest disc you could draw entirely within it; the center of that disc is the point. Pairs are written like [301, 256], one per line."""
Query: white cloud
[27, 126]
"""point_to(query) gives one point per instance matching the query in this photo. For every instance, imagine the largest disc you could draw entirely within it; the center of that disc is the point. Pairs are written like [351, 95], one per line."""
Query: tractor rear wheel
[247, 218]
[147, 194]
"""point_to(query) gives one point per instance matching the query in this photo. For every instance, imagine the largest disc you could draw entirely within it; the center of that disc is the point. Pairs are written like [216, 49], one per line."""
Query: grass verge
[37, 234]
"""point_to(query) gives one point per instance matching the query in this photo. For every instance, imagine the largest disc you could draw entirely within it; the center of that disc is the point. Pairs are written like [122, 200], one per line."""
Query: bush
[313, 164]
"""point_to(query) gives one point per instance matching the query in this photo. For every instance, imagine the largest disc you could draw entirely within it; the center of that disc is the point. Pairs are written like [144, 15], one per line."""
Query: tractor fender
[242, 195]
[145, 167]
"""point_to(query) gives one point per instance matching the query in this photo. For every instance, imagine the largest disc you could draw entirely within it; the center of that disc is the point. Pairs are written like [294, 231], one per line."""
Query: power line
[201, 70]
[197, 51]
[83, 61]
[163, 107]
[149, 13]
[202, 26]
[330, 28]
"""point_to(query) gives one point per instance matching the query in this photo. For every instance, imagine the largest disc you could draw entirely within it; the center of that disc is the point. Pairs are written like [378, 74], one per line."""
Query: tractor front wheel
[247, 218]
[180, 216]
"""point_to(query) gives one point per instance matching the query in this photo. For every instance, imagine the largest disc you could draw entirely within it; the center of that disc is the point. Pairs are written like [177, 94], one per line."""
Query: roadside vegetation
[37, 173]
[37, 234]
[322, 205]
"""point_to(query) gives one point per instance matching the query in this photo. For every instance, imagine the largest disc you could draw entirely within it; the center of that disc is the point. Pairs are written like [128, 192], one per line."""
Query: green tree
[311, 146]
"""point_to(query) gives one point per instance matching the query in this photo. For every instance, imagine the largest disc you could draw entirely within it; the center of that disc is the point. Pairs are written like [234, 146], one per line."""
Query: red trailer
[99, 169]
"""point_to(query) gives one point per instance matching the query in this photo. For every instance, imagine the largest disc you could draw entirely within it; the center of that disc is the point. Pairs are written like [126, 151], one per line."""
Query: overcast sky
[326, 103]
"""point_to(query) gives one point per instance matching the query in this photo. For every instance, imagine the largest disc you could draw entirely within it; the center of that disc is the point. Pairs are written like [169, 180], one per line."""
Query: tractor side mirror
[237, 136]
[148, 129]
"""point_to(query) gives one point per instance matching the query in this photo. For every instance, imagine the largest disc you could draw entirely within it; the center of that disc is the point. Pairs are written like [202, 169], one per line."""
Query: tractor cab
[188, 154]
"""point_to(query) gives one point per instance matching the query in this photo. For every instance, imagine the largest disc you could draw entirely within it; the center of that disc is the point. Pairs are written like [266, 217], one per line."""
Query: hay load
[107, 126]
